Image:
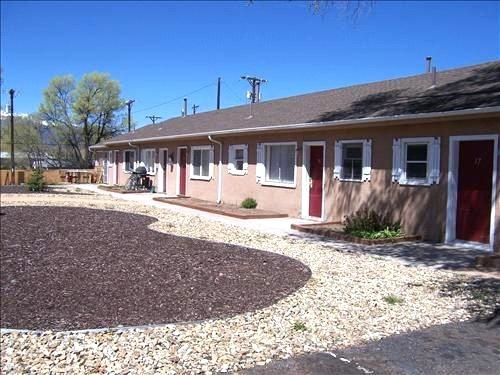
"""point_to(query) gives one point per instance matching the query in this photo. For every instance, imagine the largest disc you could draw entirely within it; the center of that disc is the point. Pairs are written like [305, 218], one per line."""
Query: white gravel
[341, 305]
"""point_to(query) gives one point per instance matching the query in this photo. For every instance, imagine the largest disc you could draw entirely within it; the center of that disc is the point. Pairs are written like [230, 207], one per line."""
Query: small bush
[365, 220]
[249, 203]
[386, 233]
[299, 327]
[36, 181]
[392, 299]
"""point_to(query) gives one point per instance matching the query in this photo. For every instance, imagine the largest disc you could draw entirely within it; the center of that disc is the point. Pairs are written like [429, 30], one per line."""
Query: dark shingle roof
[476, 86]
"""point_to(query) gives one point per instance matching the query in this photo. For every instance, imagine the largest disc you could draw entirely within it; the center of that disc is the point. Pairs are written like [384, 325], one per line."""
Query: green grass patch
[299, 327]
[479, 295]
[391, 299]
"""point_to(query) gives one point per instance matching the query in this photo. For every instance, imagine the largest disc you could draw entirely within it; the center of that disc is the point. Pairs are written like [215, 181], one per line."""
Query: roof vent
[428, 59]
[434, 76]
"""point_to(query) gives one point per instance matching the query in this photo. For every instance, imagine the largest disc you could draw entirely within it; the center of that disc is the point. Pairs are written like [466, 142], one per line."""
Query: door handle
[310, 183]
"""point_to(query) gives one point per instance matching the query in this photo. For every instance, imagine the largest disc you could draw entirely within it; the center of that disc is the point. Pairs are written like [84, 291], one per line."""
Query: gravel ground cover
[64, 270]
[23, 189]
[344, 303]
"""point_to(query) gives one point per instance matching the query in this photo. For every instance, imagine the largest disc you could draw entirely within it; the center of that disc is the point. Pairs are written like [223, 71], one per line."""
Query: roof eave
[367, 121]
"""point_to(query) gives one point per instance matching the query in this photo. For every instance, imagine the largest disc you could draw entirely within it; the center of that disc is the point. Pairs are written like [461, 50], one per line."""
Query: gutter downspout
[219, 182]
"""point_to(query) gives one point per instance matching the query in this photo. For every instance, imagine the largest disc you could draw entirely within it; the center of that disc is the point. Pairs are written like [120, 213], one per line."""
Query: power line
[174, 99]
[238, 97]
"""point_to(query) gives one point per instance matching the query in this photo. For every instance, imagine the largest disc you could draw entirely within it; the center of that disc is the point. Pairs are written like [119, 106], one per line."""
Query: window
[238, 159]
[416, 161]
[148, 158]
[353, 160]
[279, 161]
[128, 160]
[201, 162]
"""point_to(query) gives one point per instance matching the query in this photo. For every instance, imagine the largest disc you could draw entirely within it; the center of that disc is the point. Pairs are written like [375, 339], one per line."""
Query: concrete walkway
[278, 226]
[438, 256]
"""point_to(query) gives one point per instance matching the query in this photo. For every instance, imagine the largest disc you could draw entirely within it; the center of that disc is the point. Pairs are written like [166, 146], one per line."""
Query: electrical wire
[174, 99]
[232, 91]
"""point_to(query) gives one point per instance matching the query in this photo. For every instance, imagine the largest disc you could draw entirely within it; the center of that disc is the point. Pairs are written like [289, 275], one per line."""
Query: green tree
[83, 113]
[29, 142]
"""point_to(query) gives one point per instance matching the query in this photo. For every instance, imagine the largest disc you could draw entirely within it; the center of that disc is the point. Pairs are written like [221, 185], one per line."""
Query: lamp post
[12, 162]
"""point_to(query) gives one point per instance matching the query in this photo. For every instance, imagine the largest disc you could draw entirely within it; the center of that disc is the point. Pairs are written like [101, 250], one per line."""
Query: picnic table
[79, 175]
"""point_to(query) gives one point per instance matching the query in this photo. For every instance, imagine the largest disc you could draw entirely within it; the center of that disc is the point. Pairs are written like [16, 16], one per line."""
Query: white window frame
[151, 169]
[433, 161]
[210, 149]
[231, 164]
[366, 161]
[124, 166]
[265, 181]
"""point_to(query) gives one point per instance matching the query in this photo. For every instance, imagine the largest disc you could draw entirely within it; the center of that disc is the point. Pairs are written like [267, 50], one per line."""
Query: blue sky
[162, 50]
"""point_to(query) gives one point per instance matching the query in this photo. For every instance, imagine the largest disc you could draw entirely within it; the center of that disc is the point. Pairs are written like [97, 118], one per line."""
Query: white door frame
[115, 167]
[162, 173]
[306, 146]
[451, 206]
[178, 170]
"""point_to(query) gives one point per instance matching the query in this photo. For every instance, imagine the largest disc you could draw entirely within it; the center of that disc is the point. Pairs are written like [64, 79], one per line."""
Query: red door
[182, 171]
[316, 181]
[475, 173]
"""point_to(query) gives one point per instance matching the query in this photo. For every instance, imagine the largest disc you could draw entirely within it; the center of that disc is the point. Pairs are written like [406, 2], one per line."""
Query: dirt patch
[77, 268]
[221, 208]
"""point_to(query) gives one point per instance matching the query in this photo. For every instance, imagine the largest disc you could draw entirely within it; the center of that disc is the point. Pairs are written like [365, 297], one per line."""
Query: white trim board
[305, 179]
[162, 172]
[451, 204]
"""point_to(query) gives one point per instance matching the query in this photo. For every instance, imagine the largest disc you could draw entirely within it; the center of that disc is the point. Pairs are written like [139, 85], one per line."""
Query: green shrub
[386, 233]
[36, 181]
[299, 327]
[392, 299]
[249, 203]
[365, 220]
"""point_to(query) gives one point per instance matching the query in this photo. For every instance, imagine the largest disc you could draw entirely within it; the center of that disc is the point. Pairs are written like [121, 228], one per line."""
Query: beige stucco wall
[421, 209]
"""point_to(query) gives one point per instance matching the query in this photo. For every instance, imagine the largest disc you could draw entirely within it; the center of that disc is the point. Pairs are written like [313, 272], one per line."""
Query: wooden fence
[51, 176]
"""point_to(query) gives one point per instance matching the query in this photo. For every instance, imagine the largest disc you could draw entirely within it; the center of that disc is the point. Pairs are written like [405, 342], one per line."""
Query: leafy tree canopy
[84, 112]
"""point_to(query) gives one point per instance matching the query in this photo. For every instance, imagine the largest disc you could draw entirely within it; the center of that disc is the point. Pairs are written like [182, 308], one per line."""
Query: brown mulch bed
[77, 268]
[121, 189]
[23, 189]
[222, 209]
[335, 230]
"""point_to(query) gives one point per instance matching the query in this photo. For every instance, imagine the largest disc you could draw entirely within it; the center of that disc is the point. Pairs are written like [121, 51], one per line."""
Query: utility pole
[218, 93]
[195, 107]
[153, 118]
[12, 163]
[255, 84]
[128, 103]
